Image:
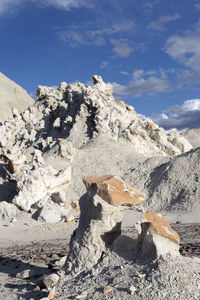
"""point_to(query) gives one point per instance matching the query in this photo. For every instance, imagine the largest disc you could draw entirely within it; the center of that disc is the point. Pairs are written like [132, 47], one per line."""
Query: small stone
[24, 275]
[36, 289]
[83, 295]
[132, 289]
[48, 281]
[52, 293]
[107, 289]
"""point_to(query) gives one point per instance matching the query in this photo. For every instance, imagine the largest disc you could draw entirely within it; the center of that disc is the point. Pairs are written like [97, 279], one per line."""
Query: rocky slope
[169, 184]
[71, 132]
[12, 96]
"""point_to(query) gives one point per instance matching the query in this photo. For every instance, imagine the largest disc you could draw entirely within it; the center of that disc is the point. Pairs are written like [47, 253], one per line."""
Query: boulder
[156, 237]
[100, 221]
[114, 190]
[52, 213]
[36, 186]
[7, 210]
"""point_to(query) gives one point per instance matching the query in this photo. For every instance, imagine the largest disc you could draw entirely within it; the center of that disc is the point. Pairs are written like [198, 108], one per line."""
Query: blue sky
[149, 50]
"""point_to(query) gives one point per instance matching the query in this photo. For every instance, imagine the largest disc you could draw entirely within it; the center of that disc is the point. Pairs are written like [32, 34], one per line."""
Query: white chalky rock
[39, 184]
[52, 213]
[7, 210]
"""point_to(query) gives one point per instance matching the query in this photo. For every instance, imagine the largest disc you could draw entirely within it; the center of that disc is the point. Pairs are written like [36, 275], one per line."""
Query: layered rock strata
[156, 237]
[101, 215]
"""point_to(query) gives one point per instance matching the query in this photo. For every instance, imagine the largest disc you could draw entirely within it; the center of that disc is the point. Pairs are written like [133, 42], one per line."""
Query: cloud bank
[185, 116]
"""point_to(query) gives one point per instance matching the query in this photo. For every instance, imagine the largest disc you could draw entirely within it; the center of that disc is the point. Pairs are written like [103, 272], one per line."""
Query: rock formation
[12, 96]
[40, 144]
[102, 211]
[156, 237]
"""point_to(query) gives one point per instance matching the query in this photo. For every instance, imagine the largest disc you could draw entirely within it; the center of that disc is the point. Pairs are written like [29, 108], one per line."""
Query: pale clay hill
[77, 151]
[193, 136]
[12, 96]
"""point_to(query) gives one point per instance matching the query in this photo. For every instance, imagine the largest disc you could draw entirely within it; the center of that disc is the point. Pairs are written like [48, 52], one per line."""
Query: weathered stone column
[156, 237]
[102, 209]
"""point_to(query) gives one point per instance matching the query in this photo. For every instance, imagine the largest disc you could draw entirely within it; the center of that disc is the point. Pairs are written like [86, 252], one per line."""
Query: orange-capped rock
[114, 190]
[160, 226]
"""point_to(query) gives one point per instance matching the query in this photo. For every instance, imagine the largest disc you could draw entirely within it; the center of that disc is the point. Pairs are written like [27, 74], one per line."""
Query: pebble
[83, 295]
[24, 274]
[107, 289]
[132, 289]
[36, 289]
[52, 293]
[49, 281]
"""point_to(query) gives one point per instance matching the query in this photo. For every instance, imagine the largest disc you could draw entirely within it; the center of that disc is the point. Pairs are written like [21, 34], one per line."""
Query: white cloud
[9, 6]
[162, 21]
[122, 47]
[98, 36]
[124, 73]
[104, 64]
[65, 4]
[76, 38]
[197, 6]
[185, 116]
[186, 48]
[144, 82]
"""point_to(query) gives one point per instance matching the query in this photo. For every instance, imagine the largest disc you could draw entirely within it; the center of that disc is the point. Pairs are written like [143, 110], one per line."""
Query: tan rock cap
[114, 190]
[160, 226]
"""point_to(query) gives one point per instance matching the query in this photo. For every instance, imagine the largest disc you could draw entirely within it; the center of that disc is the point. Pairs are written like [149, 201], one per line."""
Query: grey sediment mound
[12, 96]
[193, 136]
[171, 185]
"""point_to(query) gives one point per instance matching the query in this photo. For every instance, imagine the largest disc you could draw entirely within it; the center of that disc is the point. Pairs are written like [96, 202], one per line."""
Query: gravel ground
[38, 256]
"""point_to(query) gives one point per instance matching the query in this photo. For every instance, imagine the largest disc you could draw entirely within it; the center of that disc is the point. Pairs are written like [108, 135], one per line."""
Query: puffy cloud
[185, 116]
[122, 47]
[186, 48]
[144, 82]
[162, 21]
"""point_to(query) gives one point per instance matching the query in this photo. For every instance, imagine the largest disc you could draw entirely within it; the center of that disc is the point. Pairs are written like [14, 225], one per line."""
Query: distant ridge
[12, 96]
